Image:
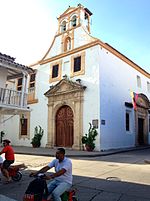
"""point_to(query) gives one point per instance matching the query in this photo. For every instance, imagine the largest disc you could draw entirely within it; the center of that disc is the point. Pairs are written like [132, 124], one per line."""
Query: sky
[27, 27]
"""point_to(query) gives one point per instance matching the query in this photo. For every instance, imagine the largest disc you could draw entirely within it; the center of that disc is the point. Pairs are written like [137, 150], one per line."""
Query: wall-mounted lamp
[65, 76]
[22, 120]
[78, 80]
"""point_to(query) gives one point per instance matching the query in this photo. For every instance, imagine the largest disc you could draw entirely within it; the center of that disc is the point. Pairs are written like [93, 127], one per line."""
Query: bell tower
[73, 19]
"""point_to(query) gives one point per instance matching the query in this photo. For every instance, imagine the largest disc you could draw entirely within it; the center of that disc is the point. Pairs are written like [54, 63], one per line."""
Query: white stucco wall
[90, 79]
[55, 49]
[117, 79]
[81, 37]
[11, 128]
[38, 114]
[39, 111]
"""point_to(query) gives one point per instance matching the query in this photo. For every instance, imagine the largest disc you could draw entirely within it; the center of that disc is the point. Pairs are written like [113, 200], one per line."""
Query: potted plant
[89, 138]
[38, 133]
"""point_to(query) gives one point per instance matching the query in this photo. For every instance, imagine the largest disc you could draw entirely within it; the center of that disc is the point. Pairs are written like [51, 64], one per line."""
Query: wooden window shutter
[77, 64]
[24, 127]
[55, 71]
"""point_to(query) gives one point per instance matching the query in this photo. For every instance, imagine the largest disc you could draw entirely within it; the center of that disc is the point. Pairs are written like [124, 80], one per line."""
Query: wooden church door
[64, 127]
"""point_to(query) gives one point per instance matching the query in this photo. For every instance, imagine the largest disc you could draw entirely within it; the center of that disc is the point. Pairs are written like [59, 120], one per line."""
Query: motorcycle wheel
[17, 176]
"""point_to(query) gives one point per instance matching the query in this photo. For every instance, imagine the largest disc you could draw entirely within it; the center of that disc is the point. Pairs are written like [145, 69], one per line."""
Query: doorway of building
[140, 131]
[64, 127]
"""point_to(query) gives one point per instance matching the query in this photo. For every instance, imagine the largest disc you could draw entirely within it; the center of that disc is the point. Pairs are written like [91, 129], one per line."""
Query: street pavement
[108, 176]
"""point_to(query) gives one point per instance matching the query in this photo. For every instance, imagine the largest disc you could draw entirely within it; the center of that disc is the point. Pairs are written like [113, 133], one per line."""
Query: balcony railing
[13, 98]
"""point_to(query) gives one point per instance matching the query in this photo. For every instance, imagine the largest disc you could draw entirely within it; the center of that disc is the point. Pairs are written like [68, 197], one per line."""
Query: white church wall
[39, 118]
[90, 79]
[56, 48]
[81, 37]
[66, 66]
[117, 79]
[91, 94]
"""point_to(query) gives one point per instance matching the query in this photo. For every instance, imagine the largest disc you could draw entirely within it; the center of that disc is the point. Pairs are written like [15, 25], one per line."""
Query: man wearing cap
[9, 158]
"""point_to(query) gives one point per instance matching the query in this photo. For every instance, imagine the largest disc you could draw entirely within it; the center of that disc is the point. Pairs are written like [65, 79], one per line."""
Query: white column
[24, 89]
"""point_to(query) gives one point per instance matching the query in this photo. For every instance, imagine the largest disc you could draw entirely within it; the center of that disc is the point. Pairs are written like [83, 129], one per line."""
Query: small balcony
[11, 98]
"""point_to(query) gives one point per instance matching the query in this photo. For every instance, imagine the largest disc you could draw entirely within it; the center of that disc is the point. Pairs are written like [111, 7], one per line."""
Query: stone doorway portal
[141, 120]
[65, 100]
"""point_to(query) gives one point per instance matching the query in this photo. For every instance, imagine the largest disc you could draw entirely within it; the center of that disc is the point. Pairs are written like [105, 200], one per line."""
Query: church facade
[82, 80]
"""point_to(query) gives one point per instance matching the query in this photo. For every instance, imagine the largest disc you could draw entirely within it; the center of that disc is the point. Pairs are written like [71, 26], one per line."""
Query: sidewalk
[72, 153]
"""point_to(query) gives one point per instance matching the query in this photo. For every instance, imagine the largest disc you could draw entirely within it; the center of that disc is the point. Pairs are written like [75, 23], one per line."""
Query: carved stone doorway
[141, 120]
[65, 100]
[64, 127]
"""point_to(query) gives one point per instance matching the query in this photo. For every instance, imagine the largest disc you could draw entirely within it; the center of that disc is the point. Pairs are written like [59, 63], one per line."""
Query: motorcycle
[15, 171]
[37, 191]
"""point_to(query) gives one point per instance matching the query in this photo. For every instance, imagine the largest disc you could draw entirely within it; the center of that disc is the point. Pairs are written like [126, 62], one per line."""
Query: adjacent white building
[80, 80]
[13, 96]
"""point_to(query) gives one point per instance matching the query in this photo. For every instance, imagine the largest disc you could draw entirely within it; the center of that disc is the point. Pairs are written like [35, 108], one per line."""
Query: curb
[91, 154]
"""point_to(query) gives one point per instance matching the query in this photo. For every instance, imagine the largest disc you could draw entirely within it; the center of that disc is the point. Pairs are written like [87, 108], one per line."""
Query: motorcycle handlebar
[39, 175]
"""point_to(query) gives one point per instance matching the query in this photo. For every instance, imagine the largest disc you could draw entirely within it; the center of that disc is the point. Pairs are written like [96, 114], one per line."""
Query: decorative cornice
[68, 53]
[54, 89]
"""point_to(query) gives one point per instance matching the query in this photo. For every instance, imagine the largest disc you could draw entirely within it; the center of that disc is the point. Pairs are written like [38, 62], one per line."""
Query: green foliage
[38, 134]
[90, 137]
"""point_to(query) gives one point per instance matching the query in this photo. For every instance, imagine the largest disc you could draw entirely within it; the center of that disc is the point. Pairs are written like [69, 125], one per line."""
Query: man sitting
[62, 178]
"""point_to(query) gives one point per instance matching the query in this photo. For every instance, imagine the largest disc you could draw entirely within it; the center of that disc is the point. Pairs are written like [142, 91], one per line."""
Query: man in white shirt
[62, 178]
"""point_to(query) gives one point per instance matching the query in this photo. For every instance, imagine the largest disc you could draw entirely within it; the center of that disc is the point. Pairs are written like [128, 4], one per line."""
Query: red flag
[134, 99]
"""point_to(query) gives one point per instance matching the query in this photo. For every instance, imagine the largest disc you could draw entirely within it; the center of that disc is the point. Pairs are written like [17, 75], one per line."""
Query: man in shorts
[9, 159]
